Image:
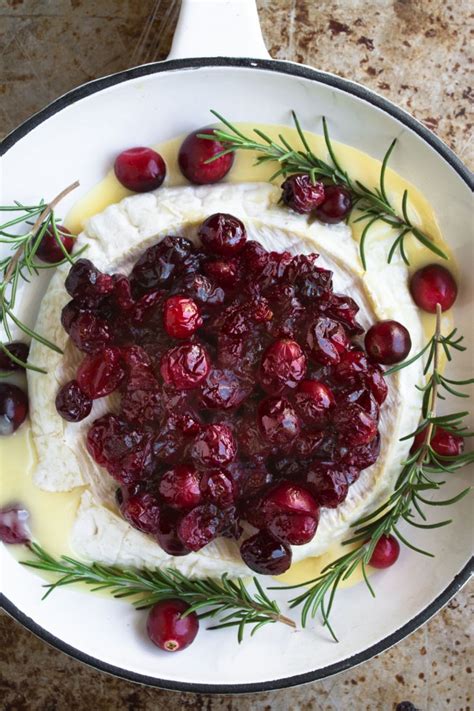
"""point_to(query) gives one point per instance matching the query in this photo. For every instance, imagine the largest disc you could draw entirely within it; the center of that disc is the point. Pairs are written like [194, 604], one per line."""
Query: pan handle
[218, 28]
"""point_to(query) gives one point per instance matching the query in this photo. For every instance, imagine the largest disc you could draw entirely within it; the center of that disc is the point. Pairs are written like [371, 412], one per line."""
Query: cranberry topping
[295, 529]
[169, 628]
[278, 422]
[199, 527]
[140, 169]
[101, 374]
[49, 250]
[387, 342]
[167, 532]
[314, 401]
[160, 263]
[13, 408]
[222, 234]
[218, 487]
[354, 425]
[283, 366]
[181, 317]
[326, 340]
[432, 285]
[328, 484]
[89, 333]
[18, 350]
[301, 194]
[185, 367]
[336, 206]
[214, 446]
[194, 154]
[84, 281]
[142, 510]
[119, 447]
[265, 554]
[385, 553]
[14, 525]
[288, 497]
[179, 487]
[72, 403]
[223, 390]
[444, 443]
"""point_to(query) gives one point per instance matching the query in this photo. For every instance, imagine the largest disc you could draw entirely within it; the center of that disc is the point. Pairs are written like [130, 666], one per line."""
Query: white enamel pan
[218, 60]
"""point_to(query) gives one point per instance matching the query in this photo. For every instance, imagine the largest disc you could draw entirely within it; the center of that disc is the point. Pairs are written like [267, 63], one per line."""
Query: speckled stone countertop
[414, 52]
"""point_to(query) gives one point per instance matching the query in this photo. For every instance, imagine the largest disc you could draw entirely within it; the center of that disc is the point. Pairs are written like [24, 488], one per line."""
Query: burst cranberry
[278, 422]
[141, 400]
[218, 487]
[84, 281]
[362, 456]
[266, 555]
[101, 374]
[326, 340]
[223, 234]
[387, 342]
[361, 394]
[49, 249]
[295, 529]
[307, 444]
[194, 154]
[336, 206]
[251, 442]
[140, 169]
[352, 365]
[385, 553]
[89, 333]
[142, 511]
[160, 263]
[185, 367]
[288, 497]
[283, 365]
[203, 290]
[254, 257]
[69, 313]
[224, 272]
[169, 628]
[344, 309]
[14, 525]
[444, 443]
[181, 317]
[302, 194]
[72, 403]
[167, 532]
[354, 425]
[254, 478]
[17, 350]
[214, 446]
[169, 444]
[179, 487]
[13, 408]
[199, 527]
[328, 484]
[223, 390]
[314, 401]
[122, 449]
[433, 285]
[376, 382]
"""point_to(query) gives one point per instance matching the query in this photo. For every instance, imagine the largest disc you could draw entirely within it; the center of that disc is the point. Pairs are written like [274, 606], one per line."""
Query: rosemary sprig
[21, 264]
[228, 600]
[409, 496]
[373, 203]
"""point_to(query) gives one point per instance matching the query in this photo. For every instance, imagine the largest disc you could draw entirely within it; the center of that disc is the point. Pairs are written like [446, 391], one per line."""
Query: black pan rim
[453, 161]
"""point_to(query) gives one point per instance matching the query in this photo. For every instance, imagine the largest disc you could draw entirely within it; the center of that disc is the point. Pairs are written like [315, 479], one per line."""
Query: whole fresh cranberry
[89, 333]
[142, 511]
[158, 266]
[167, 532]
[295, 529]
[140, 169]
[327, 341]
[278, 422]
[385, 553]
[314, 401]
[85, 281]
[185, 367]
[169, 627]
[181, 316]
[327, 483]
[72, 403]
[223, 390]
[302, 194]
[283, 366]
[199, 527]
[49, 250]
[18, 350]
[179, 487]
[222, 234]
[336, 206]
[265, 554]
[13, 408]
[387, 342]
[99, 375]
[444, 443]
[214, 446]
[433, 285]
[14, 525]
[195, 153]
[354, 425]
[218, 487]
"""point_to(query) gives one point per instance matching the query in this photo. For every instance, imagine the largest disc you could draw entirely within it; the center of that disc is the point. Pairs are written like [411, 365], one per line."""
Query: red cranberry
[251, 442]
[387, 342]
[141, 400]
[142, 511]
[218, 487]
[119, 447]
[433, 285]
[301, 194]
[181, 317]
[311, 282]
[214, 446]
[169, 445]
[194, 154]
[283, 365]
[278, 422]
[224, 272]
[18, 350]
[288, 497]
[385, 553]
[14, 525]
[314, 401]
[199, 527]
[140, 169]
[327, 340]
[266, 555]
[222, 234]
[85, 281]
[295, 529]
[254, 257]
[185, 367]
[352, 365]
[89, 333]
[169, 628]
[253, 479]
[223, 390]
[203, 290]
[160, 263]
[344, 309]
[69, 313]
[13, 408]
[307, 444]
[49, 249]
[328, 484]
[354, 425]
[376, 382]
[72, 403]
[101, 374]
[336, 206]
[444, 443]
[167, 532]
[179, 487]
[364, 455]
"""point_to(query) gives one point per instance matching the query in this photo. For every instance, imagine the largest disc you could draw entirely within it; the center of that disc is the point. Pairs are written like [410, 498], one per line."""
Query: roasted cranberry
[199, 527]
[376, 382]
[327, 483]
[364, 455]
[278, 422]
[214, 446]
[327, 340]
[141, 400]
[89, 333]
[218, 487]
[336, 206]
[166, 533]
[223, 390]
[224, 272]
[283, 365]
[361, 394]
[344, 309]
[169, 445]
[254, 256]
[251, 441]
[203, 290]
[72, 403]
[181, 317]
[142, 511]
[302, 194]
[295, 529]
[314, 401]
[140, 169]
[253, 479]
[387, 342]
[444, 443]
[49, 249]
[289, 497]
[353, 365]
[101, 374]
[354, 425]
[433, 285]
[311, 282]
[307, 444]
[17, 350]
[385, 553]
[169, 627]
[266, 555]
[13, 408]
[223, 234]
[179, 487]
[69, 313]
[85, 281]
[161, 262]
[14, 525]
[194, 154]
[122, 449]
[185, 367]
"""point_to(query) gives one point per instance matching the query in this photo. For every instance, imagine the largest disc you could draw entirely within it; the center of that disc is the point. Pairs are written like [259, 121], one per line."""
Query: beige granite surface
[415, 52]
